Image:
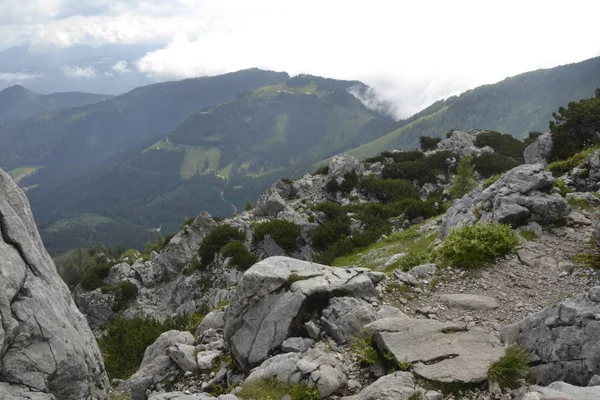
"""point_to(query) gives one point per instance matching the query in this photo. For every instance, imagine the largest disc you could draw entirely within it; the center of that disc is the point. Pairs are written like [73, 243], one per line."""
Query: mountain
[516, 105]
[215, 160]
[18, 102]
[67, 142]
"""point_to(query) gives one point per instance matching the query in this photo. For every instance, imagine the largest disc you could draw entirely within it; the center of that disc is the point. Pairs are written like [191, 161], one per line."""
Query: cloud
[78, 72]
[17, 76]
[120, 67]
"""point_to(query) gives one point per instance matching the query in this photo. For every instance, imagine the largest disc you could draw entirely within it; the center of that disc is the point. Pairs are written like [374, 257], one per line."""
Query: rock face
[519, 197]
[563, 339]
[438, 352]
[344, 317]
[274, 296]
[586, 176]
[47, 348]
[539, 151]
[269, 204]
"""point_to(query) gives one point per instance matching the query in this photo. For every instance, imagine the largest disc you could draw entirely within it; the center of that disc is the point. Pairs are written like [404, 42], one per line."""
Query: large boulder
[313, 368]
[463, 144]
[344, 317]
[563, 339]
[276, 294]
[539, 151]
[47, 348]
[395, 386]
[180, 250]
[97, 306]
[269, 204]
[340, 168]
[520, 196]
[561, 391]
[437, 351]
[585, 176]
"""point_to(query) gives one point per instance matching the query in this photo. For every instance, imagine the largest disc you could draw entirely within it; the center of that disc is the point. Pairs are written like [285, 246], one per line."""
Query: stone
[585, 197]
[182, 396]
[594, 381]
[461, 143]
[340, 166]
[296, 345]
[213, 320]
[432, 395]
[48, 349]
[184, 355]
[398, 385]
[118, 273]
[313, 368]
[469, 302]
[539, 151]
[423, 270]
[313, 330]
[345, 317]
[563, 339]
[405, 278]
[275, 294]
[208, 359]
[390, 312]
[437, 351]
[148, 273]
[96, 305]
[269, 204]
[564, 391]
[519, 197]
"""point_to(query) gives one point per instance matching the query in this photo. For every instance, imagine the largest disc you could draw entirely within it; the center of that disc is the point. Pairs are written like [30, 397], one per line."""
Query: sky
[411, 52]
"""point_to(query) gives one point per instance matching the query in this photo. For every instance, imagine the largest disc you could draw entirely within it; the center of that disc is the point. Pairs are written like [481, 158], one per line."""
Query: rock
[208, 359]
[595, 381]
[183, 396]
[461, 143]
[155, 363]
[539, 151]
[431, 395]
[469, 302]
[148, 273]
[118, 273]
[48, 349]
[213, 320]
[312, 330]
[187, 308]
[517, 198]
[390, 312]
[345, 317]
[340, 166]
[393, 259]
[423, 270]
[287, 190]
[314, 368]
[596, 234]
[180, 250]
[564, 391]
[270, 248]
[584, 197]
[586, 176]
[563, 339]
[96, 305]
[184, 355]
[395, 386]
[296, 345]
[269, 204]
[439, 352]
[577, 218]
[405, 278]
[276, 293]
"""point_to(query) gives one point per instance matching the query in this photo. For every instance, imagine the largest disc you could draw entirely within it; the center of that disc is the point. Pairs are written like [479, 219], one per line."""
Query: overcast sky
[413, 52]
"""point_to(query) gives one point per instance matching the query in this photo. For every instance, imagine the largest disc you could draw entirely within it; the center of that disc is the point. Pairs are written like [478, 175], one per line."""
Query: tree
[463, 182]
[575, 127]
[428, 142]
[248, 206]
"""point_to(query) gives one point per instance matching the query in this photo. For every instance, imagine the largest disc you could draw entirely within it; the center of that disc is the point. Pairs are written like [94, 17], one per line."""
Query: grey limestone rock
[296, 345]
[395, 386]
[344, 317]
[469, 302]
[269, 204]
[539, 151]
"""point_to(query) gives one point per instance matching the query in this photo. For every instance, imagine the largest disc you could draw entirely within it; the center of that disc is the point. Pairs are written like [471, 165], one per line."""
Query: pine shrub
[284, 233]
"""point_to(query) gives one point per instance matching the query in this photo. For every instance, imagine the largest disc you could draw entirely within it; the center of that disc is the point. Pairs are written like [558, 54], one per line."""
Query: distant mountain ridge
[17, 102]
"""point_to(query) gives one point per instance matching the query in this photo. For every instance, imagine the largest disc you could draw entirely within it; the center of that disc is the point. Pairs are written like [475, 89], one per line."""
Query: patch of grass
[580, 204]
[562, 187]
[473, 246]
[222, 303]
[19, 173]
[491, 180]
[561, 167]
[322, 170]
[587, 260]
[362, 345]
[272, 389]
[528, 235]
[411, 259]
[511, 371]
[199, 161]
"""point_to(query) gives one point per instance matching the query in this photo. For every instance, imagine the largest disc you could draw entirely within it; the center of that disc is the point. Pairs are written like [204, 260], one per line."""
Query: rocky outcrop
[339, 168]
[539, 151]
[586, 176]
[344, 317]
[463, 144]
[47, 348]
[436, 351]
[276, 294]
[96, 305]
[520, 196]
[180, 250]
[563, 339]
[269, 204]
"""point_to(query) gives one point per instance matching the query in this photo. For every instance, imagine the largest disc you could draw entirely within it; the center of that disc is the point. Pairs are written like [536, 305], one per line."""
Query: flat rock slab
[563, 391]
[395, 386]
[469, 302]
[438, 352]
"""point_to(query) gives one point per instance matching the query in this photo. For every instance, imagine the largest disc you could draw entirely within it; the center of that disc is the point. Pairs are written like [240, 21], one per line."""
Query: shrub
[493, 164]
[405, 156]
[532, 137]
[562, 187]
[472, 246]
[271, 388]
[125, 292]
[503, 144]
[417, 208]
[409, 170]
[437, 160]
[429, 143]
[362, 346]
[491, 180]
[388, 190]
[248, 206]
[562, 167]
[463, 182]
[92, 278]
[287, 180]
[512, 370]
[329, 233]
[322, 170]
[215, 241]
[240, 256]
[349, 183]
[284, 233]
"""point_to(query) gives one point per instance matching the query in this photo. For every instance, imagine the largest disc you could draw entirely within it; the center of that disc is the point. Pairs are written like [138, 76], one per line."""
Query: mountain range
[115, 170]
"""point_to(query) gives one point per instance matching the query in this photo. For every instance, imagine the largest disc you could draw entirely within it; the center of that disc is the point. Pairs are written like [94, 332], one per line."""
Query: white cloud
[75, 71]
[17, 76]
[121, 67]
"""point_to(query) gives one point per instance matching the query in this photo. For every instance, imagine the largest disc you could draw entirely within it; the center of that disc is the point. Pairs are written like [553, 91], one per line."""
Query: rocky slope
[47, 349]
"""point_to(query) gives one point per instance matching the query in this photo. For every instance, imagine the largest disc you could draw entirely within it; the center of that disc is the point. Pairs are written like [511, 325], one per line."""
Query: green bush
[409, 170]
[215, 241]
[562, 167]
[472, 246]
[512, 370]
[528, 235]
[329, 233]
[284, 233]
[491, 180]
[503, 144]
[388, 190]
[240, 256]
[349, 183]
[405, 156]
[532, 137]
[273, 389]
[93, 277]
[562, 187]
[362, 346]
[125, 293]
[493, 164]
[463, 182]
[437, 160]
[429, 143]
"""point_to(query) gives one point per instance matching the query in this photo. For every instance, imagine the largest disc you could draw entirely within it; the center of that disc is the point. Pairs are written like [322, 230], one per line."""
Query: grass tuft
[362, 346]
[272, 389]
[512, 370]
